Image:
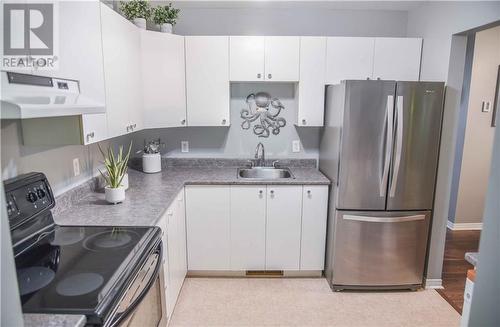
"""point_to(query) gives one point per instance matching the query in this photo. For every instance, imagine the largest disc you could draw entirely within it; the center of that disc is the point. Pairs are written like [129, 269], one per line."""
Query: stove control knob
[41, 193]
[31, 197]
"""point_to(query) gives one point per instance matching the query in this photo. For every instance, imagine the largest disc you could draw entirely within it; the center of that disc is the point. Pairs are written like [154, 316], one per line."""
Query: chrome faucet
[260, 159]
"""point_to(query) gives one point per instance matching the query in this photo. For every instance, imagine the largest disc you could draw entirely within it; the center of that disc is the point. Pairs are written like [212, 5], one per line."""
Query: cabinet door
[314, 214]
[94, 128]
[208, 231]
[181, 216]
[397, 59]
[172, 259]
[312, 81]
[349, 58]
[282, 58]
[120, 42]
[207, 80]
[283, 221]
[163, 79]
[246, 58]
[248, 227]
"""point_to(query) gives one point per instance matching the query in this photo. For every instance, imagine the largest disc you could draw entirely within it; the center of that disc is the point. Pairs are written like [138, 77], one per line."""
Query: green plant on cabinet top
[165, 14]
[136, 9]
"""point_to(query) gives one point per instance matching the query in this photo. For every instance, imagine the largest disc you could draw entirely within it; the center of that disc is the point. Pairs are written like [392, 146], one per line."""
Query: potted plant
[165, 17]
[138, 11]
[151, 157]
[116, 169]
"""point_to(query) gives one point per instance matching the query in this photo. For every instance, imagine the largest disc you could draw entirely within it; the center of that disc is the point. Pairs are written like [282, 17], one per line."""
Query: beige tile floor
[303, 302]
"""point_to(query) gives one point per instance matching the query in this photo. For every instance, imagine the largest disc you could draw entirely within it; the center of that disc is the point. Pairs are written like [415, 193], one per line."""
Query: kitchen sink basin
[264, 173]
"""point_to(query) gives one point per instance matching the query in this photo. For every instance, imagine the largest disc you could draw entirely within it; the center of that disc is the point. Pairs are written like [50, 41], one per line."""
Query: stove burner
[118, 238]
[79, 284]
[34, 278]
[68, 237]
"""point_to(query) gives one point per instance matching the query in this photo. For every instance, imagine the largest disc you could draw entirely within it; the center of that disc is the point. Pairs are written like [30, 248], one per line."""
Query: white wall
[437, 21]
[234, 142]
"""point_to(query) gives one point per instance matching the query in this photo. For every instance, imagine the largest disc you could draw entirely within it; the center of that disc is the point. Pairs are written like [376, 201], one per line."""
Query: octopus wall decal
[265, 110]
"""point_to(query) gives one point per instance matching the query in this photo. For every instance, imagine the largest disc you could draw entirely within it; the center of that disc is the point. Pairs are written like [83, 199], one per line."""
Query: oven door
[143, 303]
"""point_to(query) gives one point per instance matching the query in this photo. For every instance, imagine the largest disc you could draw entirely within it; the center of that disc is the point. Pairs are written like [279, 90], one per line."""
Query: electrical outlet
[184, 146]
[295, 146]
[76, 166]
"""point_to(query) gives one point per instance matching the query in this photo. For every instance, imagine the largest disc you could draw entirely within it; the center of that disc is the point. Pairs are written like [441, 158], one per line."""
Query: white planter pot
[114, 195]
[151, 163]
[166, 28]
[125, 181]
[140, 22]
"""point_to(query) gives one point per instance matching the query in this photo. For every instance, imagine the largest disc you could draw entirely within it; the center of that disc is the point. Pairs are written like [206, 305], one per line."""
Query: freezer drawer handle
[384, 219]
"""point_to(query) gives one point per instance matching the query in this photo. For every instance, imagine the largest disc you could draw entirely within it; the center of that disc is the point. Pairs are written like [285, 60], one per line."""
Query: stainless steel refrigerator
[380, 148]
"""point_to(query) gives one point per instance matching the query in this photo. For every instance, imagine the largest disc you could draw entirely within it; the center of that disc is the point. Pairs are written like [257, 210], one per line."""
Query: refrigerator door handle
[388, 144]
[399, 146]
[495, 103]
[384, 219]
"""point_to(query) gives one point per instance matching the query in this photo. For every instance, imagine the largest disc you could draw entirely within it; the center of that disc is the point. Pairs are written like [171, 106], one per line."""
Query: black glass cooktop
[75, 269]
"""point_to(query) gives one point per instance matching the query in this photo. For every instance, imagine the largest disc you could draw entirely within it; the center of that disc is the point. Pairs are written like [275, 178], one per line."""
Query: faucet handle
[275, 163]
[251, 163]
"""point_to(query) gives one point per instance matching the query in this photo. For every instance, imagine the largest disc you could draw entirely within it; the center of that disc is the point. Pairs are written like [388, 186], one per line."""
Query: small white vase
[125, 181]
[140, 22]
[166, 28]
[151, 163]
[114, 195]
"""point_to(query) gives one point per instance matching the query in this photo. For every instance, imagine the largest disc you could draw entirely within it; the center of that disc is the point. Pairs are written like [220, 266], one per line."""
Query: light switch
[76, 167]
[295, 146]
[486, 106]
[184, 146]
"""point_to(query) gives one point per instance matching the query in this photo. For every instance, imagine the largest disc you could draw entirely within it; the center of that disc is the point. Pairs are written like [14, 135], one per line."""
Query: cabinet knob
[128, 128]
[224, 122]
[183, 122]
[304, 122]
[269, 76]
[308, 192]
[259, 75]
[134, 126]
[271, 192]
[260, 192]
[90, 135]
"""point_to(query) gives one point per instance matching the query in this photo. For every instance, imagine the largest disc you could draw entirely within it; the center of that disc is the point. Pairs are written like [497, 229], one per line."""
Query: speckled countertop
[53, 320]
[149, 195]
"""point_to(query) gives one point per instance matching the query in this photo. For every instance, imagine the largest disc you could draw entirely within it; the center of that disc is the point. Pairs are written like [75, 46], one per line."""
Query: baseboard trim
[433, 284]
[464, 226]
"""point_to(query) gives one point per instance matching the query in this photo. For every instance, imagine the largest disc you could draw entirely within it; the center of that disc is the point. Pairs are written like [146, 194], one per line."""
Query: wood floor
[455, 267]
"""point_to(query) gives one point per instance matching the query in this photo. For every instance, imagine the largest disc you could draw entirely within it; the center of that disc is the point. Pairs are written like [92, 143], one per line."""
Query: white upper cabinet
[246, 58]
[282, 58]
[349, 58]
[248, 227]
[122, 73]
[312, 81]
[207, 80]
[269, 58]
[283, 229]
[397, 59]
[163, 79]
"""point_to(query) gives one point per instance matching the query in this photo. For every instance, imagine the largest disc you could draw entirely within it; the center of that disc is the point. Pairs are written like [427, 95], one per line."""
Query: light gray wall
[291, 21]
[234, 142]
[55, 161]
[486, 298]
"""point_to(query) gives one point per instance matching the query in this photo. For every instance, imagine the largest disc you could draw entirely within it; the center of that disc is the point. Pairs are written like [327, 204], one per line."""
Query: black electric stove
[71, 269]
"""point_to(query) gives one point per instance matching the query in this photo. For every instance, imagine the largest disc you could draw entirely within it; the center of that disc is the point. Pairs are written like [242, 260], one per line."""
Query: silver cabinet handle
[224, 122]
[259, 75]
[260, 192]
[309, 192]
[304, 122]
[370, 219]
[90, 135]
[128, 128]
[388, 144]
[183, 122]
[271, 192]
[399, 146]
[134, 126]
[269, 76]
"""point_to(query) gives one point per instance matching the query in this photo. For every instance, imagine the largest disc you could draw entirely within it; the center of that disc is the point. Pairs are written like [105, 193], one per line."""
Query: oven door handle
[118, 318]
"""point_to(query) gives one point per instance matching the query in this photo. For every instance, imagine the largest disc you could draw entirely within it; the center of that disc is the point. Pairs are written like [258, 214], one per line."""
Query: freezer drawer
[379, 249]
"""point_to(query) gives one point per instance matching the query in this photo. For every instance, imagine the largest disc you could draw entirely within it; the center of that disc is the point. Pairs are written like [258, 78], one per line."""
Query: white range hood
[30, 96]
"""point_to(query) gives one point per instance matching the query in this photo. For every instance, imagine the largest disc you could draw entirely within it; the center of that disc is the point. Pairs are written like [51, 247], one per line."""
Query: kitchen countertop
[149, 195]
[53, 320]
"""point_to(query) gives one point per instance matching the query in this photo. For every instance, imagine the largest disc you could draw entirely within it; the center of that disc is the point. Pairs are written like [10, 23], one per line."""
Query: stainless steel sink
[264, 173]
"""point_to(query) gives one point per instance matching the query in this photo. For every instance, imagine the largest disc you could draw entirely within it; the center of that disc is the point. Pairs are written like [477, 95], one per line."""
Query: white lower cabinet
[248, 227]
[284, 205]
[174, 250]
[313, 236]
[208, 227]
[256, 227]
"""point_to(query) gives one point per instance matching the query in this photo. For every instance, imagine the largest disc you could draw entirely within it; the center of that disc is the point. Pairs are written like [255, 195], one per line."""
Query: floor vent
[264, 273]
